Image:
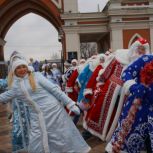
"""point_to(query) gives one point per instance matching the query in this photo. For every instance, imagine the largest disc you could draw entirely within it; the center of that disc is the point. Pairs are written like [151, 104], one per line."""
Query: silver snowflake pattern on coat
[151, 108]
[151, 138]
[134, 142]
[142, 128]
[145, 58]
[134, 73]
[150, 120]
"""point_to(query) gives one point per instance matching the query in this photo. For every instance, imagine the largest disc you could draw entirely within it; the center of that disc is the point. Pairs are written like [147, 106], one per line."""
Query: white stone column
[116, 38]
[151, 34]
[151, 39]
[73, 43]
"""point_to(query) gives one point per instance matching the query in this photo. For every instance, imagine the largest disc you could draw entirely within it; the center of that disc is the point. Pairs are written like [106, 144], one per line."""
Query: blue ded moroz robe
[142, 127]
[51, 129]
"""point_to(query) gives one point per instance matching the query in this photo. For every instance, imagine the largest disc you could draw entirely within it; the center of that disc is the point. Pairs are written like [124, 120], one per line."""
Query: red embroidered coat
[101, 113]
[91, 85]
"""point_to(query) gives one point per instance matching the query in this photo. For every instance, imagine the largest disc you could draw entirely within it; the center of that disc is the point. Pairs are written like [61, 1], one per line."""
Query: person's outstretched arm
[7, 96]
[57, 92]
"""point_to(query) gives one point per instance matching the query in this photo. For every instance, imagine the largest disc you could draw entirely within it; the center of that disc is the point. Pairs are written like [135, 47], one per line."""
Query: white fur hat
[18, 62]
[74, 61]
[54, 64]
[139, 42]
[16, 55]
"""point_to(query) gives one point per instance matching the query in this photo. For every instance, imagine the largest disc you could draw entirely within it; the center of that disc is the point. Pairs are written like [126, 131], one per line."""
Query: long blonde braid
[10, 79]
[32, 81]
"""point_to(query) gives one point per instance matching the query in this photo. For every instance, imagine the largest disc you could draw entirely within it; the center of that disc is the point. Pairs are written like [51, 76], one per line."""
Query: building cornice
[86, 29]
[130, 11]
[74, 16]
[131, 25]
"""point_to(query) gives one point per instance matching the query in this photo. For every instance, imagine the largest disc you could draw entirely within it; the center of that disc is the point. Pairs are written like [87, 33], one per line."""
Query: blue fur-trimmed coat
[142, 127]
[51, 129]
[83, 79]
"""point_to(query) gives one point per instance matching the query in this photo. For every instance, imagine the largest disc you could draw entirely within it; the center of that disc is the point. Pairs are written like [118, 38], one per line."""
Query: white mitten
[73, 108]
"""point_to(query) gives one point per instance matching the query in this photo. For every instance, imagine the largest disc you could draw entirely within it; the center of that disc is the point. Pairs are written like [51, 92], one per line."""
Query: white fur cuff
[100, 83]
[87, 91]
[101, 72]
[70, 104]
[127, 86]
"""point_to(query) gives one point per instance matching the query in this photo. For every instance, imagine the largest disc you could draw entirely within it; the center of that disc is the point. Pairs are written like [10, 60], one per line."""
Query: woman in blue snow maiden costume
[51, 129]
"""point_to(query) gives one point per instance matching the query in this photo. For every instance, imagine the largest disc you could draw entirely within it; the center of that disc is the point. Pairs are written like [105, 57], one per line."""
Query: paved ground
[5, 135]
[5, 129]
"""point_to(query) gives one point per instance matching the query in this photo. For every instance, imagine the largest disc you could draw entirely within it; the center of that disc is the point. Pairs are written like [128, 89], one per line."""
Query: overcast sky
[35, 37]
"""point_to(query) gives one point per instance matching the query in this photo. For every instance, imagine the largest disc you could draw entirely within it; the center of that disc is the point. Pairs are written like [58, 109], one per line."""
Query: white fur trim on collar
[93, 64]
[122, 56]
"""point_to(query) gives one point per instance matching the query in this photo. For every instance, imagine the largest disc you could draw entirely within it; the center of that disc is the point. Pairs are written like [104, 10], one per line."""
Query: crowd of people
[112, 91]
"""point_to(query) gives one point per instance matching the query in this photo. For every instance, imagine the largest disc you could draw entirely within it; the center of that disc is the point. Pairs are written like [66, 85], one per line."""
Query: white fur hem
[127, 86]
[87, 91]
[110, 111]
[92, 131]
[109, 148]
[117, 115]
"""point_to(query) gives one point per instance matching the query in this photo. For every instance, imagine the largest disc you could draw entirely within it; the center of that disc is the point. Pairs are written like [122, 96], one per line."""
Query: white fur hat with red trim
[139, 42]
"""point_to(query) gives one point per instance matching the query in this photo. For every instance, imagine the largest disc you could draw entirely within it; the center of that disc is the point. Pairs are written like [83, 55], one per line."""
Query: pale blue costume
[20, 129]
[51, 129]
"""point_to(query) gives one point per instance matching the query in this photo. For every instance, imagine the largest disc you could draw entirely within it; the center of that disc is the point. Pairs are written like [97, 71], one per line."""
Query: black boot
[86, 135]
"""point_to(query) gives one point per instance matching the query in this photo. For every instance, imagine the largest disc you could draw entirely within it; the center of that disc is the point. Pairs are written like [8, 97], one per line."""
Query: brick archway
[11, 11]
